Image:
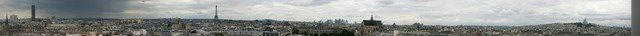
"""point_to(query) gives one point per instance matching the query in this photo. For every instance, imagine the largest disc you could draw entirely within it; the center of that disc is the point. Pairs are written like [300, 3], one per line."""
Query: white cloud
[446, 12]
[430, 12]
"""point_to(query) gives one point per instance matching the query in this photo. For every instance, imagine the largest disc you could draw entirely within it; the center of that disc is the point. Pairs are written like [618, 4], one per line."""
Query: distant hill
[570, 25]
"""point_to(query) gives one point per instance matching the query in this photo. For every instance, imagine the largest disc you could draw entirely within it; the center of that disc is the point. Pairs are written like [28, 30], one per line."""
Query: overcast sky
[403, 12]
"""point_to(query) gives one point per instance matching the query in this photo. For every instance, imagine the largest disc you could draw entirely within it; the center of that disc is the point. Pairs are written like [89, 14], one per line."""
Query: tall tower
[33, 12]
[216, 15]
[6, 20]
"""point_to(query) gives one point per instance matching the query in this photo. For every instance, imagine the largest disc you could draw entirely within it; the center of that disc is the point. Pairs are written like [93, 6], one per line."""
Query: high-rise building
[328, 21]
[6, 20]
[13, 18]
[53, 19]
[33, 12]
[337, 21]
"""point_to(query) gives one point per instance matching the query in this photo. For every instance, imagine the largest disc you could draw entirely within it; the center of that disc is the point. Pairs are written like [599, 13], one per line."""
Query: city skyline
[403, 12]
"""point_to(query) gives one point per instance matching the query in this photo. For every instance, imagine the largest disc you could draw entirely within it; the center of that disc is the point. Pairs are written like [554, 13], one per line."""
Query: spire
[371, 17]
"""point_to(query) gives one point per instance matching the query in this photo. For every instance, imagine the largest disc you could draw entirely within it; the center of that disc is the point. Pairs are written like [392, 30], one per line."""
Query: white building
[382, 34]
[251, 33]
[200, 33]
[270, 33]
[13, 18]
[243, 33]
[139, 32]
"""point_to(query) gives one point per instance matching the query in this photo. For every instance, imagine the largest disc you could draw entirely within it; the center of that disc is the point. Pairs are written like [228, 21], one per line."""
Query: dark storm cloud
[73, 8]
[85, 8]
[17, 4]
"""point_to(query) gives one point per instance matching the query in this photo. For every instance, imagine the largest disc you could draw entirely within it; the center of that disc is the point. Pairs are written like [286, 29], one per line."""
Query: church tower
[585, 21]
[369, 26]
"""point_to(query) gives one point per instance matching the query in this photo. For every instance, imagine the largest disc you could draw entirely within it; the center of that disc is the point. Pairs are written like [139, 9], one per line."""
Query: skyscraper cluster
[334, 21]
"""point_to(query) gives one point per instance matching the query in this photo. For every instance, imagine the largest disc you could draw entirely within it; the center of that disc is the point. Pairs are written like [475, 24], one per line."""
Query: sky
[402, 12]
